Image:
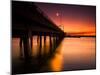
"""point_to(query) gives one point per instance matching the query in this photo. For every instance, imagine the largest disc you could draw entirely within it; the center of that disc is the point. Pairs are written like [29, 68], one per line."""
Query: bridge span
[27, 21]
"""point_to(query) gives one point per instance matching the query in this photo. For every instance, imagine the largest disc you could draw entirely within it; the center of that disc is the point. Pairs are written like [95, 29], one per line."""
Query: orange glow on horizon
[76, 26]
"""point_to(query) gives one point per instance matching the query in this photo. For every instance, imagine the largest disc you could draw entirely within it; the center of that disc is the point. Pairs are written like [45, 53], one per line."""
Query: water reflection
[69, 54]
[79, 53]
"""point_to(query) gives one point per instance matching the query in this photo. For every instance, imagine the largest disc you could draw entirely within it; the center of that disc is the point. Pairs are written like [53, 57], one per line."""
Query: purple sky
[74, 18]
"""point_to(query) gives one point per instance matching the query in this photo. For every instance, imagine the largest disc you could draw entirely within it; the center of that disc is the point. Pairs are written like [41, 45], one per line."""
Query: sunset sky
[74, 18]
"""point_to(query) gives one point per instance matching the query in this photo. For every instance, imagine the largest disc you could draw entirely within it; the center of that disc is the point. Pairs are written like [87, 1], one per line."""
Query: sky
[71, 18]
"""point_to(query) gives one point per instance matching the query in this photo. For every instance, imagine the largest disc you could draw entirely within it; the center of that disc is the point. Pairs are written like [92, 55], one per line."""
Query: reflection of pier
[28, 21]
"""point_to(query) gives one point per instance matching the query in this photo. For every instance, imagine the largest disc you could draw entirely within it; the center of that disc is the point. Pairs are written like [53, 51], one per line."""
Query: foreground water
[71, 54]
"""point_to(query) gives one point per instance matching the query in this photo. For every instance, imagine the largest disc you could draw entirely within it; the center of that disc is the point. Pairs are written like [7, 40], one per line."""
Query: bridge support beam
[26, 47]
[40, 40]
[44, 47]
[50, 40]
[21, 47]
[40, 45]
[30, 42]
[55, 41]
[37, 38]
[26, 42]
[44, 39]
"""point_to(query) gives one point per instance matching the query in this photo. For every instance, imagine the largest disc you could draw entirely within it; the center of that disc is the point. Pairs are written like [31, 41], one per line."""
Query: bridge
[28, 20]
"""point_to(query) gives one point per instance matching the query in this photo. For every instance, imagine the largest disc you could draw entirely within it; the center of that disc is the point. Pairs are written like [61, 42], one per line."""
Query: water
[71, 54]
[78, 53]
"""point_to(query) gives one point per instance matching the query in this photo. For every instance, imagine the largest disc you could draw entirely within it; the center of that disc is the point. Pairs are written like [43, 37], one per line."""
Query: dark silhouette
[28, 20]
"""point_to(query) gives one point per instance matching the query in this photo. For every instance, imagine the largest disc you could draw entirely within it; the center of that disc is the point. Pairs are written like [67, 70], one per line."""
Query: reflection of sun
[56, 63]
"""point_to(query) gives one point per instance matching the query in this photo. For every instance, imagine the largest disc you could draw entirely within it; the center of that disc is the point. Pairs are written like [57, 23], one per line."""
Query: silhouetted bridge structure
[28, 20]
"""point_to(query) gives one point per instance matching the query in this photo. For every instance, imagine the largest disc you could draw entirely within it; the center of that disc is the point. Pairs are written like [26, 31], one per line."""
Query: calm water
[71, 54]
